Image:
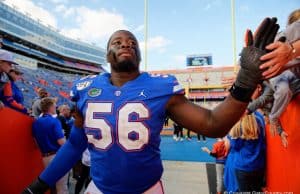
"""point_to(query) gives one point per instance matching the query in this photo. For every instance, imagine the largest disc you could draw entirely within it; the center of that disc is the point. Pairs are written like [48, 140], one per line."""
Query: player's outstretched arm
[64, 160]
[211, 123]
[217, 122]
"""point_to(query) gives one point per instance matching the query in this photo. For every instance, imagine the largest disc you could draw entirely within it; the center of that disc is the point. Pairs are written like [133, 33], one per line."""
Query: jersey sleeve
[176, 86]
[66, 157]
[79, 86]
[74, 93]
[166, 85]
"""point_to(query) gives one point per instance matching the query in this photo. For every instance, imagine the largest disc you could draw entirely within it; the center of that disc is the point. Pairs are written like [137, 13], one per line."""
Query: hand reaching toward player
[250, 73]
[281, 54]
[283, 137]
[205, 149]
[273, 129]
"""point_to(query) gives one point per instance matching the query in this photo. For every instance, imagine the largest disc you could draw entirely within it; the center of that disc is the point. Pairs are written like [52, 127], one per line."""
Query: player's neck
[120, 78]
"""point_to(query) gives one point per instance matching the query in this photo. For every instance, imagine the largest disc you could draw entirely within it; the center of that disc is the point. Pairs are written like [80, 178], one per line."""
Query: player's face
[123, 52]
[5, 66]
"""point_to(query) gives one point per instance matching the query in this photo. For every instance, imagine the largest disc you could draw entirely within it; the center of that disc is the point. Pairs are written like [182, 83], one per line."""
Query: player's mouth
[125, 54]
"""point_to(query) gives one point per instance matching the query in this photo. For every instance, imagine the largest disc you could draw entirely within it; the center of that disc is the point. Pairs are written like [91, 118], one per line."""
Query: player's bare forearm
[218, 122]
[211, 123]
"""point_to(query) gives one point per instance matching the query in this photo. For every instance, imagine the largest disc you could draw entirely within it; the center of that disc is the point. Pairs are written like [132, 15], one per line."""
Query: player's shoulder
[161, 78]
[165, 81]
[87, 81]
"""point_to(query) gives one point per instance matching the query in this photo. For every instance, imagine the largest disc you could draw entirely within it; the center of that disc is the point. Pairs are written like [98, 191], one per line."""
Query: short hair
[46, 103]
[62, 107]
[42, 92]
[293, 17]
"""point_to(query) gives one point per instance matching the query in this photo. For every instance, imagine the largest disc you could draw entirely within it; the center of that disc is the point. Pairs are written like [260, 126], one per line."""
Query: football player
[123, 113]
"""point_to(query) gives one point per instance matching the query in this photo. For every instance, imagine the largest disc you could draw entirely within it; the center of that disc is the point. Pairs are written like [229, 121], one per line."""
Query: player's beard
[125, 66]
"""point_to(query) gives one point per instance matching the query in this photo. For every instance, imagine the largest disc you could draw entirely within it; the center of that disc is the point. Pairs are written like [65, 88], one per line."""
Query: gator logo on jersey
[82, 85]
[94, 92]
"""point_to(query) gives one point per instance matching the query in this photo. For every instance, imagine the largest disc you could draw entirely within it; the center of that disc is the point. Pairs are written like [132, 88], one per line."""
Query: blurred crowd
[52, 124]
[240, 156]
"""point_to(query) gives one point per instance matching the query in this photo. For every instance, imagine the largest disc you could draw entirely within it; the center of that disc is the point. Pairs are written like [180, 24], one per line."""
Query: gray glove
[250, 74]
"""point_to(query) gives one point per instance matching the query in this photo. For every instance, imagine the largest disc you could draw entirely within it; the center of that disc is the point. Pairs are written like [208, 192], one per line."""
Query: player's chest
[126, 116]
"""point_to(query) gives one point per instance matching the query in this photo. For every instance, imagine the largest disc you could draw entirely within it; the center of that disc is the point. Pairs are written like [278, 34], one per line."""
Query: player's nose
[125, 44]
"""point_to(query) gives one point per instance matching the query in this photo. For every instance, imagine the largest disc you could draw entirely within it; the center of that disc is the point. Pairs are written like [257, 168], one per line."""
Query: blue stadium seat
[31, 80]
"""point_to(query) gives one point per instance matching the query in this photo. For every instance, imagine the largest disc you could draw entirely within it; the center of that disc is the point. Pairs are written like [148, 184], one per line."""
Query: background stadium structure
[206, 86]
[48, 58]
[51, 60]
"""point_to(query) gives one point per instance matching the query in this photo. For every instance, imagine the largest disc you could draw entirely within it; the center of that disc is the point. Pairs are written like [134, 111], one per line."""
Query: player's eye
[116, 43]
[132, 43]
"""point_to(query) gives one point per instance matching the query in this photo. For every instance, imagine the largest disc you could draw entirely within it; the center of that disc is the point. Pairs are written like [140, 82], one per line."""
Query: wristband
[241, 94]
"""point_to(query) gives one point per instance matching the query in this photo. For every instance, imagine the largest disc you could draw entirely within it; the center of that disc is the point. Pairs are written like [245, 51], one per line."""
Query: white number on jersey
[125, 127]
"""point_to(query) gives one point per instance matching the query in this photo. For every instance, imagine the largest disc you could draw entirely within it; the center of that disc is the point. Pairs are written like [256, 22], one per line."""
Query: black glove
[250, 74]
[36, 187]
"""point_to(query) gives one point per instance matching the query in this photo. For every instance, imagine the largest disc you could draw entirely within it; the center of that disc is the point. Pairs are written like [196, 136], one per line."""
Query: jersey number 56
[96, 123]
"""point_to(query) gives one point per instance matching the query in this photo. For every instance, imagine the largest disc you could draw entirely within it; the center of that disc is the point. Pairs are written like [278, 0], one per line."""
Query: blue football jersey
[123, 126]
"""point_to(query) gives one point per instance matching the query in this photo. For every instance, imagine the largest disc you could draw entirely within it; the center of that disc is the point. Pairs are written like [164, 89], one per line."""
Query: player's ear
[138, 55]
[110, 56]
[109, 53]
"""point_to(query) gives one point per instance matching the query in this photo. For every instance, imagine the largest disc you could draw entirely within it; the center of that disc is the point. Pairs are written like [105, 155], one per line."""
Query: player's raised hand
[255, 46]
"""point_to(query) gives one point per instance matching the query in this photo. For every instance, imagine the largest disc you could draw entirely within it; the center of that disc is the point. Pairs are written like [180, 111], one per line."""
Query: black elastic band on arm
[241, 94]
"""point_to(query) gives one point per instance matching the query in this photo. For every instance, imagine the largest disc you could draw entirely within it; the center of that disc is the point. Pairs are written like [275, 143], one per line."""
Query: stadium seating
[20, 25]
[57, 84]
